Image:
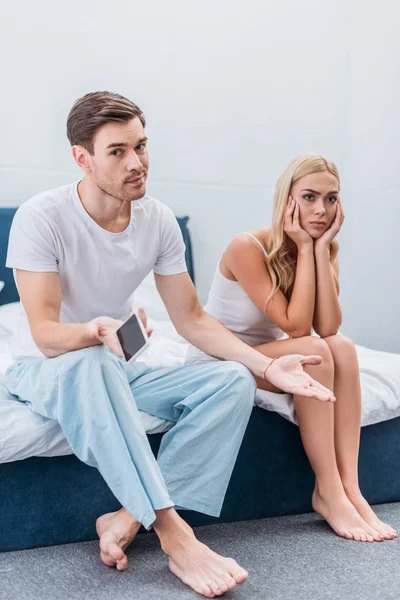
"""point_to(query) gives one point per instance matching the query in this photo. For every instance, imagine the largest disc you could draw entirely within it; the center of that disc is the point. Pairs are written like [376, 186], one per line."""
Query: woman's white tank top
[229, 303]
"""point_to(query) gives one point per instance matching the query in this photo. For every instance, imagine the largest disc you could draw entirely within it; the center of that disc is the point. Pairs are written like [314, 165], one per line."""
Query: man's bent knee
[242, 379]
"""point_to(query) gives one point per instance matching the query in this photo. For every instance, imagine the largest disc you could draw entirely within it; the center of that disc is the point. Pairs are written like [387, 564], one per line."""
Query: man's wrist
[265, 374]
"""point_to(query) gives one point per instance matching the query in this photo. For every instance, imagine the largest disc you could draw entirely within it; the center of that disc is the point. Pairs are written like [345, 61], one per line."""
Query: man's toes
[207, 592]
[122, 564]
[223, 586]
[216, 590]
[230, 582]
[107, 560]
[239, 575]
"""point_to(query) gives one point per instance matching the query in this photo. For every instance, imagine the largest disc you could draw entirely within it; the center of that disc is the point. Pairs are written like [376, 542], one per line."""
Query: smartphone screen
[131, 337]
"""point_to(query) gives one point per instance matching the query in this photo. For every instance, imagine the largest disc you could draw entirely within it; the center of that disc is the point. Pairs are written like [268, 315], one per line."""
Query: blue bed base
[45, 501]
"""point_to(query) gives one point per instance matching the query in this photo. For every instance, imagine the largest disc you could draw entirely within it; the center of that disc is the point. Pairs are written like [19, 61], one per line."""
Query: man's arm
[202, 330]
[40, 295]
[208, 334]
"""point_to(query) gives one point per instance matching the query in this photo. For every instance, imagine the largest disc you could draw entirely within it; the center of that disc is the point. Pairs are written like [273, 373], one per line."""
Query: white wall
[231, 93]
[370, 275]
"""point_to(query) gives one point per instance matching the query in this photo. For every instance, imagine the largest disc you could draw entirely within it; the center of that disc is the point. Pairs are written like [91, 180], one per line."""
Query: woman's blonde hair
[280, 263]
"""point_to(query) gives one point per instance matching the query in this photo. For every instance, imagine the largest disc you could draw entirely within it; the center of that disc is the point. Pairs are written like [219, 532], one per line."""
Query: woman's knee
[316, 345]
[342, 348]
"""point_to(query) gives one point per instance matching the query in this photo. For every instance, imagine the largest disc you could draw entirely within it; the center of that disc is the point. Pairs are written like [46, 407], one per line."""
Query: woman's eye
[308, 197]
[332, 199]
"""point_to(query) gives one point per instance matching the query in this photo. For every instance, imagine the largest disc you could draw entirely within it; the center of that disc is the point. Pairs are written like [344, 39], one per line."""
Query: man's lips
[135, 179]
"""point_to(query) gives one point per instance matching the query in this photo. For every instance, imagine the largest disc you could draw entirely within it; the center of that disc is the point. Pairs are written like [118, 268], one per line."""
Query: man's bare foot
[205, 571]
[116, 531]
[202, 569]
[366, 512]
[344, 519]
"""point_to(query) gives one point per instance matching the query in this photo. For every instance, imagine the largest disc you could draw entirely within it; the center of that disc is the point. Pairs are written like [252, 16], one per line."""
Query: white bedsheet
[24, 433]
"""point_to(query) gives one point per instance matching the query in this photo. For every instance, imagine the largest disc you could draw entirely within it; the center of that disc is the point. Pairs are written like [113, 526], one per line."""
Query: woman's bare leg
[316, 421]
[347, 427]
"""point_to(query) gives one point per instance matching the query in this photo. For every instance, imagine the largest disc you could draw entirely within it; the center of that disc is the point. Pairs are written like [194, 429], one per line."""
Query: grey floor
[295, 557]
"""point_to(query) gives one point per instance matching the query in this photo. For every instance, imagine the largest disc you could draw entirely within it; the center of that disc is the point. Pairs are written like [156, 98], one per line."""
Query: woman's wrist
[321, 249]
[306, 248]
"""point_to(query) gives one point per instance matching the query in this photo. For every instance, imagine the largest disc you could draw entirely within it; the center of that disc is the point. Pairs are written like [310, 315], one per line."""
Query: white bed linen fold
[24, 433]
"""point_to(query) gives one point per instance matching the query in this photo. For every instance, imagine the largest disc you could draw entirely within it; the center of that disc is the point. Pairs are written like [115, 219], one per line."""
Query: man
[80, 251]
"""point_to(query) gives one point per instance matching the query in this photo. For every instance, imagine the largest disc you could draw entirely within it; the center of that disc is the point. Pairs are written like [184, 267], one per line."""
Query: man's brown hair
[94, 110]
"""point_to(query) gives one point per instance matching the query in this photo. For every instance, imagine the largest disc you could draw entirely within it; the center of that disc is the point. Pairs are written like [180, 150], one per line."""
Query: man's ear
[82, 158]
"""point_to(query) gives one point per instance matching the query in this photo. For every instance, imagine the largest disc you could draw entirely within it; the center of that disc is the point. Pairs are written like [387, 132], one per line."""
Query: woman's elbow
[299, 331]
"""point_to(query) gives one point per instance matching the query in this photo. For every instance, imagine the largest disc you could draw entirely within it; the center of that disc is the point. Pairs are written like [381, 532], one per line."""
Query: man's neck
[108, 212]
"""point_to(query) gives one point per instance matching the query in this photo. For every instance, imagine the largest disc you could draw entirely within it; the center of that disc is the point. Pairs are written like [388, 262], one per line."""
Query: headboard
[9, 292]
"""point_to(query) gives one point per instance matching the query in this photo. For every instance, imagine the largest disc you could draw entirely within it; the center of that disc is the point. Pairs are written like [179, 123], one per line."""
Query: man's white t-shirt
[99, 270]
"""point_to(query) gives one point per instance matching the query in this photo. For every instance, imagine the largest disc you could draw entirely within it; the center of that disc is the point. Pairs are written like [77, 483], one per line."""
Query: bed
[48, 496]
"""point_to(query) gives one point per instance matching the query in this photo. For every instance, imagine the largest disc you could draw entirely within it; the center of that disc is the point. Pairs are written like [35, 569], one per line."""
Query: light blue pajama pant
[95, 397]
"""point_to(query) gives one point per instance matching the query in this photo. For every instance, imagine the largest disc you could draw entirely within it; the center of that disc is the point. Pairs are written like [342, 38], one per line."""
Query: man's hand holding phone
[122, 337]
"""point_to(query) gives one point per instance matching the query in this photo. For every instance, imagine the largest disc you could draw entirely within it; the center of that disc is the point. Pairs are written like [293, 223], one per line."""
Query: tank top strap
[258, 242]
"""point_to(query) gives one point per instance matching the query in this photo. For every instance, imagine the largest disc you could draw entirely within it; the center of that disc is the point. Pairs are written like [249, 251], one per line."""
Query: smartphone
[132, 338]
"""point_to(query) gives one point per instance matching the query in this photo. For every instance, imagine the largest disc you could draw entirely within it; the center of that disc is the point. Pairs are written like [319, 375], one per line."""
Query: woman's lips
[318, 225]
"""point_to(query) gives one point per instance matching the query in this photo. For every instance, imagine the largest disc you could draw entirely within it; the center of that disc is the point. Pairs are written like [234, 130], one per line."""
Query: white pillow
[9, 317]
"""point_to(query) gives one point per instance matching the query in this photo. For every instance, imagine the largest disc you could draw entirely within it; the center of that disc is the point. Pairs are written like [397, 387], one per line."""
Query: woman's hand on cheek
[327, 238]
[292, 227]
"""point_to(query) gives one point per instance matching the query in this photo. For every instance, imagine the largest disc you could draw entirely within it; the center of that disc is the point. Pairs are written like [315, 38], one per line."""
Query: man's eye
[140, 147]
[116, 152]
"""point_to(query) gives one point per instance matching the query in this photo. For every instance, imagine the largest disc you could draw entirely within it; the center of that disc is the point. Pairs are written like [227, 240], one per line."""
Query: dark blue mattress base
[45, 501]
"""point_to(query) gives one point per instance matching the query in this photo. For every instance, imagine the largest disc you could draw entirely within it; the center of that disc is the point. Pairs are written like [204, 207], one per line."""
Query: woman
[284, 280]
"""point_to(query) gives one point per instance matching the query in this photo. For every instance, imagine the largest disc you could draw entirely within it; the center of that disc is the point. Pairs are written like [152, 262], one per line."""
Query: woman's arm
[244, 260]
[328, 315]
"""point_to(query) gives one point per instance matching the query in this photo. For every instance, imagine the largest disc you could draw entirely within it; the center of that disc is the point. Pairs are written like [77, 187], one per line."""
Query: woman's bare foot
[116, 531]
[195, 564]
[344, 519]
[363, 508]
